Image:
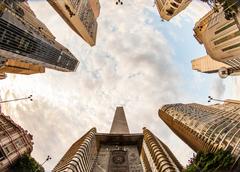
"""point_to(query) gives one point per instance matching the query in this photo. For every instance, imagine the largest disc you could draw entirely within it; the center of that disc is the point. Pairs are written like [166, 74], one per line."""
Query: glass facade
[18, 37]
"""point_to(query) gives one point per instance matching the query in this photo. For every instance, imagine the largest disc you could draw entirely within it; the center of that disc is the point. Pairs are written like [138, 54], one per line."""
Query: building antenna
[14, 100]
[218, 100]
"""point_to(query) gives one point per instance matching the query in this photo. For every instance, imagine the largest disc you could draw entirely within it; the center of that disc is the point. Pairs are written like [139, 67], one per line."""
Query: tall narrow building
[221, 38]
[118, 151]
[170, 8]
[206, 128]
[15, 141]
[26, 44]
[80, 15]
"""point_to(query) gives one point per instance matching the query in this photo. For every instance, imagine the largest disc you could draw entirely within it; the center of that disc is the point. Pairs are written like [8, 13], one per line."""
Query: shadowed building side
[15, 141]
[26, 44]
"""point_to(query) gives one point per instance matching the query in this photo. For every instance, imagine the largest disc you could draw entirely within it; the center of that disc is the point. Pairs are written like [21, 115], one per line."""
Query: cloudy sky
[138, 62]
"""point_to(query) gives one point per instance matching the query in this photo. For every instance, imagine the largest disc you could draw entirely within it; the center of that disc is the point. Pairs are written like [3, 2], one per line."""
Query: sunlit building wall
[156, 156]
[205, 128]
[206, 64]
[170, 8]
[80, 15]
[220, 37]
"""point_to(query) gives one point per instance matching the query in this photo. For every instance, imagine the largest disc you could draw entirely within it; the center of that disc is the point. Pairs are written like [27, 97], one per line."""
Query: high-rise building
[80, 15]
[206, 64]
[15, 141]
[26, 44]
[170, 8]
[118, 151]
[221, 38]
[206, 128]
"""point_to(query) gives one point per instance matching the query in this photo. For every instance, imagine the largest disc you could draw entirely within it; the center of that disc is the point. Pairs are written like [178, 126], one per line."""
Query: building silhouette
[118, 151]
[170, 8]
[81, 16]
[206, 128]
[220, 38]
[15, 141]
[26, 44]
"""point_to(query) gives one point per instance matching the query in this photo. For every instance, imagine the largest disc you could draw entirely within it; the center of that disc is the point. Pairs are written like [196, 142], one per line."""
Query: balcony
[170, 11]
[174, 4]
[178, 1]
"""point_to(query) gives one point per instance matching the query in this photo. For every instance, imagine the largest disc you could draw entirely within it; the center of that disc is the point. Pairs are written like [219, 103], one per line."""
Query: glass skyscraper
[26, 44]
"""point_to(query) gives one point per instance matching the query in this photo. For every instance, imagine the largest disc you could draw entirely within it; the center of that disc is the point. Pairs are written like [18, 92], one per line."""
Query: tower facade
[15, 141]
[80, 15]
[26, 44]
[170, 8]
[221, 38]
[206, 64]
[205, 128]
[118, 151]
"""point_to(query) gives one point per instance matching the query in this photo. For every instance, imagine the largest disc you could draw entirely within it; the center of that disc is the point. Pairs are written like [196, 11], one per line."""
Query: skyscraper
[206, 64]
[15, 141]
[206, 128]
[170, 8]
[118, 151]
[80, 15]
[221, 38]
[26, 45]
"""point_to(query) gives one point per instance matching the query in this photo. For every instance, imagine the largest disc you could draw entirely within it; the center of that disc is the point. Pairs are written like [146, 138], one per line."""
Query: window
[9, 149]
[178, 1]
[19, 143]
[170, 11]
[174, 4]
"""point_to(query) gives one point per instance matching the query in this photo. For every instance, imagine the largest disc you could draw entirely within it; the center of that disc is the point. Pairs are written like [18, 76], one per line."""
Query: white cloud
[218, 88]
[131, 65]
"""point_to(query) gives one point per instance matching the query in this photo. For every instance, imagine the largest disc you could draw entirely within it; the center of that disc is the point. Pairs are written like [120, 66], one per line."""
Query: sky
[139, 62]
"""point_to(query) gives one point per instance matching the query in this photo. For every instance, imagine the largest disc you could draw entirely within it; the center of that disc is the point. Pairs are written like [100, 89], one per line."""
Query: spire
[119, 124]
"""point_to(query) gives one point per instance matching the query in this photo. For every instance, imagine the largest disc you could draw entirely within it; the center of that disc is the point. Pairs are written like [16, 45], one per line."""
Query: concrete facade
[119, 124]
[170, 8]
[14, 142]
[206, 64]
[205, 128]
[80, 15]
[118, 151]
[220, 37]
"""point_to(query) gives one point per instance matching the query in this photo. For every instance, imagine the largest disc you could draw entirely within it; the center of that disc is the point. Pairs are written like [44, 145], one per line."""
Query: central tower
[118, 151]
